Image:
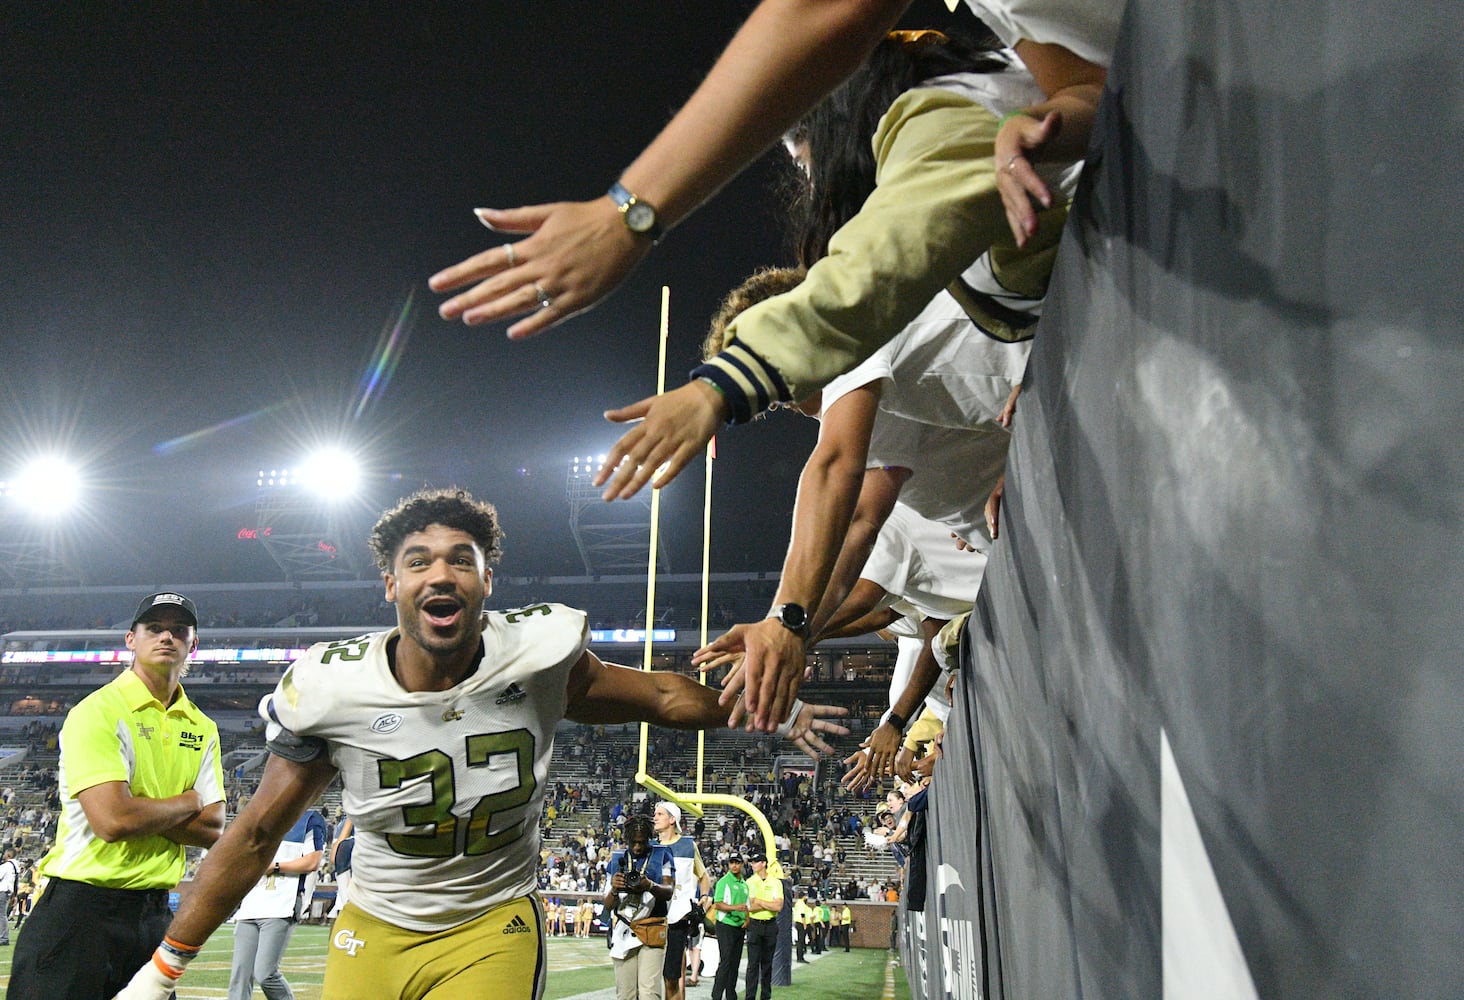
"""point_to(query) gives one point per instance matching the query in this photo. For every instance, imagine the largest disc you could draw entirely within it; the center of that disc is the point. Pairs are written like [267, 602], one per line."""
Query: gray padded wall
[1214, 706]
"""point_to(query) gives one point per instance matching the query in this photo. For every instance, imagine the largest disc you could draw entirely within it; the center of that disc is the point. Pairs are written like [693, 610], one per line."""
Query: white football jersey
[445, 787]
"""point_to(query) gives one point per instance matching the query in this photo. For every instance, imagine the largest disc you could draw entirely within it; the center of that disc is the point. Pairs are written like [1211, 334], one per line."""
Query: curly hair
[451, 508]
[764, 283]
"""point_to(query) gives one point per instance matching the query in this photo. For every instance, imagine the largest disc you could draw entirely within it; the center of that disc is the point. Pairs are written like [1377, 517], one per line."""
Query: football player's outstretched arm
[606, 693]
[232, 868]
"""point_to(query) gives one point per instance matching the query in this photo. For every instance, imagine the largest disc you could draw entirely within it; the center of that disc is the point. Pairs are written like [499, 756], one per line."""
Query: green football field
[577, 968]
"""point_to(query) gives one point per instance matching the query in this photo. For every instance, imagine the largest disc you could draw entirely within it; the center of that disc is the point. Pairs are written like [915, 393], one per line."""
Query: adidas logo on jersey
[517, 925]
[511, 694]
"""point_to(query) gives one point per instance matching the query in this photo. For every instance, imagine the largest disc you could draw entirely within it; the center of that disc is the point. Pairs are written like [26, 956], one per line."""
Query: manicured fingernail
[482, 214]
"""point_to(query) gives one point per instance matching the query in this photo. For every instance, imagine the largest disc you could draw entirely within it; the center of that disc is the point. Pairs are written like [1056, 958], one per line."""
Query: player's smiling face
[438, 584]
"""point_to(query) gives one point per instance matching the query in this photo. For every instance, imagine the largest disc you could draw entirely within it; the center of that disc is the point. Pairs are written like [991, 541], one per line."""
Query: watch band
[629, 206]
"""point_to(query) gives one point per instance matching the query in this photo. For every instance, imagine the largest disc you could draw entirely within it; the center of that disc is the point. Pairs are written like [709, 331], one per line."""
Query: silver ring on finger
[1012, 163]
[545, 301]
[511, 253]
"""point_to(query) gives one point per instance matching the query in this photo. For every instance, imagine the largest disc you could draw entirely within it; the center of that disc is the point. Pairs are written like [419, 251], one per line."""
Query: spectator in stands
[468, 882]
[884, 220]
[881, 465]
[142, 781]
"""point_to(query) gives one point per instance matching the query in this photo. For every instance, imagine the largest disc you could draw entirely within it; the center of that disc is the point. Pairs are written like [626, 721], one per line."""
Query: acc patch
[388, 723]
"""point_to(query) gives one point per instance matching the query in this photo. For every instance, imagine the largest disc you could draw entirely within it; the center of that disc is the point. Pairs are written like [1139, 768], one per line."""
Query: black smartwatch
[793, 617]
[639, 216]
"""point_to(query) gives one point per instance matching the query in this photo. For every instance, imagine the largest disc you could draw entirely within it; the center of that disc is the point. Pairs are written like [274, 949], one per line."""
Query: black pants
[801, 939]
[674, 965]
[762, 941]
[729, 957]
[83, 942]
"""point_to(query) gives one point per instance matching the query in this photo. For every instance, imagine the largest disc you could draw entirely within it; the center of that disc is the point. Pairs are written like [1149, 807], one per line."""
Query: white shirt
[942, 384]
[9, 876]
[916, 560]
[1088, 28]
[445, 787]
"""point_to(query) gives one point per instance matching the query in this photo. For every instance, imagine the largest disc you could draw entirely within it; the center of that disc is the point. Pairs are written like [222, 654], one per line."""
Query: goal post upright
[693, 802]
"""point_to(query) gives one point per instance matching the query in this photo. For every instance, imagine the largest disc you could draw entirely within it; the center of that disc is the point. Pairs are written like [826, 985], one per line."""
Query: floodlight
[332, 473]
[48, 486]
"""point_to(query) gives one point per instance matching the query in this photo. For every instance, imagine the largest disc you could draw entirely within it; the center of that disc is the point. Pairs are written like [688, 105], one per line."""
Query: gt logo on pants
[347, 942]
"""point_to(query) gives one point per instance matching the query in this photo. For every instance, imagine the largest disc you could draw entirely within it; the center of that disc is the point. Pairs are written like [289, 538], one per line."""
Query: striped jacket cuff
[750, 384]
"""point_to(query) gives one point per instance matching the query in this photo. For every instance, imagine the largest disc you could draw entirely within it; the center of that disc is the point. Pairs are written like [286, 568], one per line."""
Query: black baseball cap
[734, 858]
[166, 599]
[756, 856]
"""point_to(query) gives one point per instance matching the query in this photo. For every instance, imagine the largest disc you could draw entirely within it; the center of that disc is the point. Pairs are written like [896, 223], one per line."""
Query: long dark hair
[837, 133]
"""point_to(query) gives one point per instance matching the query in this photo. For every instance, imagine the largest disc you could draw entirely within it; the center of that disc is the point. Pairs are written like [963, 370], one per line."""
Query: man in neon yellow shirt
[802, 922]
[141, 780]
[764, 900]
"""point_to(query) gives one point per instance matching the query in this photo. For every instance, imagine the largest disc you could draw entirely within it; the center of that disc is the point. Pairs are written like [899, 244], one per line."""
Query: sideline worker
[141, 781]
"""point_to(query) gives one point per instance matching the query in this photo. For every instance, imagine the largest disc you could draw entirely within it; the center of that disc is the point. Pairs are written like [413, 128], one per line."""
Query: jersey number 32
[449, 837]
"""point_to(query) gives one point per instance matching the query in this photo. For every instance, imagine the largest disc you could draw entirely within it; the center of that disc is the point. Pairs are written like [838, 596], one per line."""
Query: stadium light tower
[612, 538]
[300, 515]
[32, 553]
[46, 487]
[333, 474]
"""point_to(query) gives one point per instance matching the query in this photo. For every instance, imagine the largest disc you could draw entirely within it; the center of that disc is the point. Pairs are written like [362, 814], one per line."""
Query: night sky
[211, 217]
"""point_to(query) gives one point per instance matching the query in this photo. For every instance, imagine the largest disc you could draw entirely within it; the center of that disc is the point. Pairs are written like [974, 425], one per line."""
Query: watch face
[640, 217]
[793, 616]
